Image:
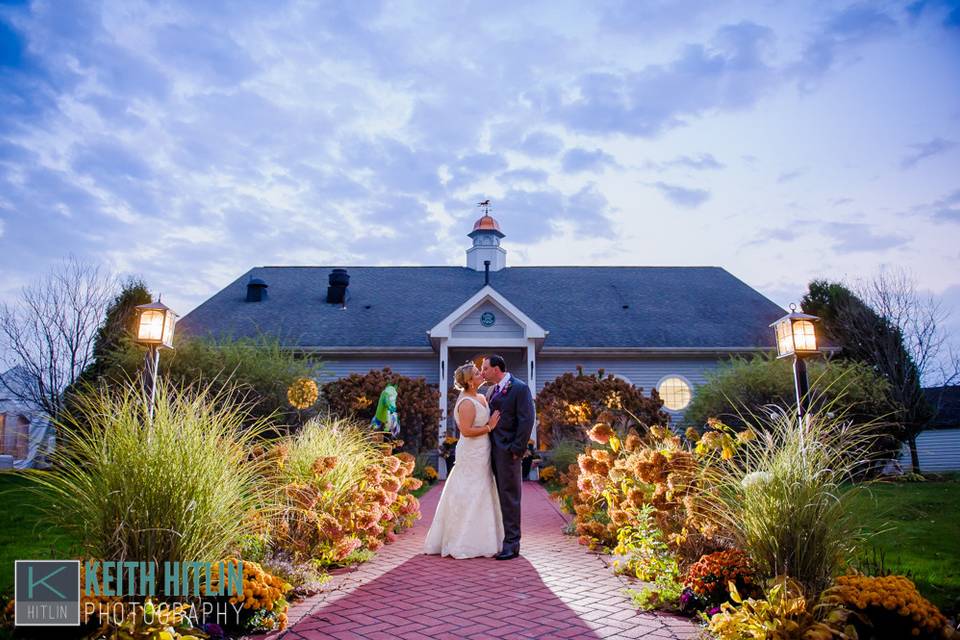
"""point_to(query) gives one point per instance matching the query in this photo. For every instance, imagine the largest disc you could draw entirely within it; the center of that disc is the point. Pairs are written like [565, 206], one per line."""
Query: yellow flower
[303, 393]
[362, 402]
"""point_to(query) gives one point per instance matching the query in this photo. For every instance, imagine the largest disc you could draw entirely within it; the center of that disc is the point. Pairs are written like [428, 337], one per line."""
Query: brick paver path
[556, 589]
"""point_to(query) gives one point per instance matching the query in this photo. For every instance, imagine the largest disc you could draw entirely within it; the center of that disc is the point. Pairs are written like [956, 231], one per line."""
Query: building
[656, 327]
[26, 437]
[938, 445]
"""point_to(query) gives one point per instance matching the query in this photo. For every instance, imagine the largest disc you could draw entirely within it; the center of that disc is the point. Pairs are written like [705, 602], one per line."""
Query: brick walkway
[556, 589]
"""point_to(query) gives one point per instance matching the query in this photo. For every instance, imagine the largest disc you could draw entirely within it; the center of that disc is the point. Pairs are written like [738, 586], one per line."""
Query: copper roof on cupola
[486, 223]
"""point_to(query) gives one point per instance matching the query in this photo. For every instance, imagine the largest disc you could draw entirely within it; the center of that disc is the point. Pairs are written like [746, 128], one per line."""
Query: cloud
[532, 215]
[701, 162]
[787, 176]
[839, 35]
[924, 150]
[729, 74]
[686, 197]
[853, 237]
[946, 209]
[783, 234]
[523, 175]
[186, 141]
[474, 166]
[540, 144]
[652, 19]
[577, 160]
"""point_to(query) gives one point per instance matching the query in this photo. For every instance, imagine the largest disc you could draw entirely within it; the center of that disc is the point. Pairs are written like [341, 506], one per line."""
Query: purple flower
[713, 611]
[213, 630]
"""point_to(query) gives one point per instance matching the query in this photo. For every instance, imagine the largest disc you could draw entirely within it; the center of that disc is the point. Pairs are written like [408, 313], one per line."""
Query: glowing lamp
[155, 324]
[796, 334]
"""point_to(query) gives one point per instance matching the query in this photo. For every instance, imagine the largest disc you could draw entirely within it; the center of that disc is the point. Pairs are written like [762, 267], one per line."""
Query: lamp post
[797, 337]
[155, 325]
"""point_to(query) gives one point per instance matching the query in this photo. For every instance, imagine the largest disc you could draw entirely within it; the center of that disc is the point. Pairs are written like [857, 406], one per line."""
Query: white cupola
[486, 236]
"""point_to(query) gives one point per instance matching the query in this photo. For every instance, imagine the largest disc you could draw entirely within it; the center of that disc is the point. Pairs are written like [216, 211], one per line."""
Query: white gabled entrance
[485, 323]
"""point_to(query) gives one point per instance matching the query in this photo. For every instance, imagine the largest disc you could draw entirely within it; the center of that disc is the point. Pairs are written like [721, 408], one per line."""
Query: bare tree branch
[48, 334]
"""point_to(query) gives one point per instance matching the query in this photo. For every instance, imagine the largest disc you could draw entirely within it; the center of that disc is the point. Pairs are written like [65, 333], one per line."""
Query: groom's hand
[516, 456]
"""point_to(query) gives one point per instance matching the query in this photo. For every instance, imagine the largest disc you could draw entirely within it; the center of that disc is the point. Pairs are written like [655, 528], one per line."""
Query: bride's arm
[466, 412]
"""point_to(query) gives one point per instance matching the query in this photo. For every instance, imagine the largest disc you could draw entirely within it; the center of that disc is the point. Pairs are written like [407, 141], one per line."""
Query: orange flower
[601, 433]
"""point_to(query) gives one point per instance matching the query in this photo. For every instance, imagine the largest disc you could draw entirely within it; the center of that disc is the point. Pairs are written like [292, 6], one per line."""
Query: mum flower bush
[569, 404]
[710, 577]
[612, 482]
[338, 492]
[887, 607]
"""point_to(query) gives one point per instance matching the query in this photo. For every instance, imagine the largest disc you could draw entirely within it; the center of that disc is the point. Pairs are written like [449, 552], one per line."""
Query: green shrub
[746, 392]
[254, 371]
[180, 489]
[642, 552]
[743, 388]
[564, 453]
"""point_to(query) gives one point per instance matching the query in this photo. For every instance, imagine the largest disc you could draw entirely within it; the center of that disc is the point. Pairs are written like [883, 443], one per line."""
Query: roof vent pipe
[338, 282]
[256, 290]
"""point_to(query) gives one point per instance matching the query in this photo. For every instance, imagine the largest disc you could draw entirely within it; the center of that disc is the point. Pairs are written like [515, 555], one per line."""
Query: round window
[675, 393]
[487, 319]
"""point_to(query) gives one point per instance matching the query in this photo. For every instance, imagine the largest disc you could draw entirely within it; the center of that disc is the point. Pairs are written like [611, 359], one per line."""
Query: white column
[444, 352]
[532, 381]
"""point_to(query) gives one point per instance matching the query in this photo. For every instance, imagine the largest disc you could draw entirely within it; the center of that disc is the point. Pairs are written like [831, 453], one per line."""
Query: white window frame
[685, 380]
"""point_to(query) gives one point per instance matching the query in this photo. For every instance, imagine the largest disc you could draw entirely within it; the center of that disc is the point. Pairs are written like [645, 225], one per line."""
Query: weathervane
[485, 205]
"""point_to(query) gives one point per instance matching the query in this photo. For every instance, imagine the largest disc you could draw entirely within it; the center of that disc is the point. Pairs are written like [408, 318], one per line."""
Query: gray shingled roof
[669, 307]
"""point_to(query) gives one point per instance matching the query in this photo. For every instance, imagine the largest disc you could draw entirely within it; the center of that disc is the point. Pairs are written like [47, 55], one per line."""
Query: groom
[511, 397]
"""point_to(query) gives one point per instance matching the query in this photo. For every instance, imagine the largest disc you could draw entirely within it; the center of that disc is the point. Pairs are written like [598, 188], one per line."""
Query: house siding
[413, 367]
[938, 450]
[641, 372]
[503, 327]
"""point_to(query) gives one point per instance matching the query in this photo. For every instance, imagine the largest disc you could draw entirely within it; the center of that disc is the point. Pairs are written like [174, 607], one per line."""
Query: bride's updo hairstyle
[463, 375]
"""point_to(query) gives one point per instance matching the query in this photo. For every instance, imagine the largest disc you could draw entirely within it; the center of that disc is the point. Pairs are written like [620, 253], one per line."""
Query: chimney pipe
[486, 272]
[256, 290]
[337, 292]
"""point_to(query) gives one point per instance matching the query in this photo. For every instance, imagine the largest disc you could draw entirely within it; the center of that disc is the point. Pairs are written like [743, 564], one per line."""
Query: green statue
[386, 416]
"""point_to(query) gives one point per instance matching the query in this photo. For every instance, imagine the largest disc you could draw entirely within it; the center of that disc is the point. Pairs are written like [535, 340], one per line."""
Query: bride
[467, 523]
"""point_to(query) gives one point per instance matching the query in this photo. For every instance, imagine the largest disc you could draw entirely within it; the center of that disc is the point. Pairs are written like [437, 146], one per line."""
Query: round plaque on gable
[487, 318]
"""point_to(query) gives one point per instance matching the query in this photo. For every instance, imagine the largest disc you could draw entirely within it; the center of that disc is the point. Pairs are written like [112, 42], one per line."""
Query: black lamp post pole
[802, 386]
[151, 372]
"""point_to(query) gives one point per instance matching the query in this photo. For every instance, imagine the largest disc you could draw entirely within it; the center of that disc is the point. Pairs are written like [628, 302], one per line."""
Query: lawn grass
[22, 535]
[919, 534]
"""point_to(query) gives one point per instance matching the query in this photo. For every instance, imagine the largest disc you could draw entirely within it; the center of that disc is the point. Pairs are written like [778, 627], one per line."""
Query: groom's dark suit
[517, 414]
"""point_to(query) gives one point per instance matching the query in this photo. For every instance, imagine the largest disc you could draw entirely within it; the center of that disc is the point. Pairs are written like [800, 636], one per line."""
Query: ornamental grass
[785, 497]
[179, 488]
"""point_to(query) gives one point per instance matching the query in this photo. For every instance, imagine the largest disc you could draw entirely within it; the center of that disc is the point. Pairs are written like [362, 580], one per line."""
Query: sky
[186, 142]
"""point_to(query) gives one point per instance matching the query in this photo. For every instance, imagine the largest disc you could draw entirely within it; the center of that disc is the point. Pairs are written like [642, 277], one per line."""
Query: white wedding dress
[467, 523]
